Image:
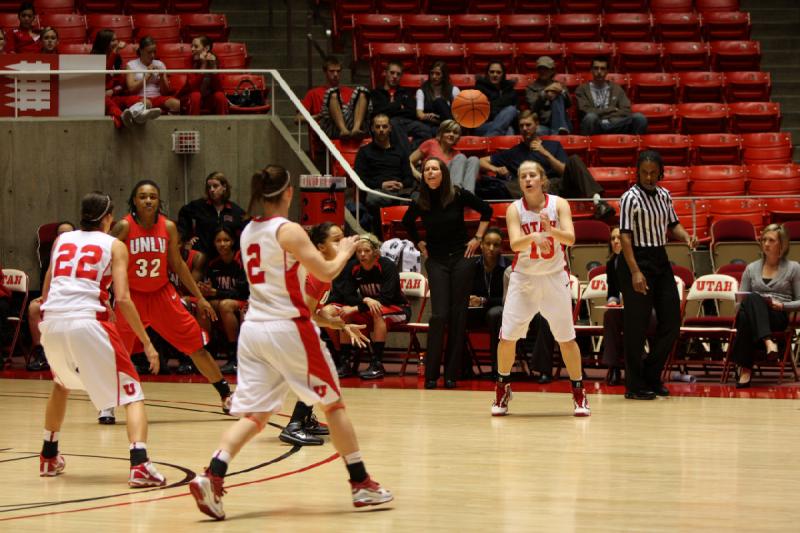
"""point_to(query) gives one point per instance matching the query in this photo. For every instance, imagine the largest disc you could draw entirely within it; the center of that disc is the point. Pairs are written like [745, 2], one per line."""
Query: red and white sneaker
[369, 492]
[51, 467]
[145, 475]
[207, 490]
[226, 404]
[502, 395]
[580, 402]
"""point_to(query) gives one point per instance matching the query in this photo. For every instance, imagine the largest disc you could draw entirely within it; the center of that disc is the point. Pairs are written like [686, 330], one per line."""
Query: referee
[646, 278]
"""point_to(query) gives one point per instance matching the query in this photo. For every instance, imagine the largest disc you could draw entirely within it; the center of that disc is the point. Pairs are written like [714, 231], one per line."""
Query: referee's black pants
[662, 296]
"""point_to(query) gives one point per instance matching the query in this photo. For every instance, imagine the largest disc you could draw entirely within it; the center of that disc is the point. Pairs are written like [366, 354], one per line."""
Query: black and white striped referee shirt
[647, 216]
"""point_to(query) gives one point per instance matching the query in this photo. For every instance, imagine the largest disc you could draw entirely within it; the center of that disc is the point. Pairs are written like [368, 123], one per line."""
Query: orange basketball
[470, 108]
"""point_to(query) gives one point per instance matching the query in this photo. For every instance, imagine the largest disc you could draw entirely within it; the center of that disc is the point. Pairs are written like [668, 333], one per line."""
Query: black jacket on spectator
[489, 285]
[199, 218]
[404, 103]
[228, 278]
[381, 282]
[374, 165]
[499, 98]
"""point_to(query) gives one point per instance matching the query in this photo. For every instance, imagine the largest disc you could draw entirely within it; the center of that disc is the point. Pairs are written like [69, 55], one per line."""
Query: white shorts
[278, 355]
[548, 294]
[87, 354]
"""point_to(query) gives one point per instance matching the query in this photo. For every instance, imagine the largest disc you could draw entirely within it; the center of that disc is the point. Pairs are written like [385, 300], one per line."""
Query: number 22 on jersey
[85, 267]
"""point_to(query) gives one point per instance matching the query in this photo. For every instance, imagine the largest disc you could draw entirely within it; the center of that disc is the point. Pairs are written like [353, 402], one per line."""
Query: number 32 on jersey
[148, 269]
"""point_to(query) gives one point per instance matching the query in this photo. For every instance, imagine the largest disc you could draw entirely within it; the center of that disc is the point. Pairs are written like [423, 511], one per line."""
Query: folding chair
[16, 281]
[590, 248]
[415, 288]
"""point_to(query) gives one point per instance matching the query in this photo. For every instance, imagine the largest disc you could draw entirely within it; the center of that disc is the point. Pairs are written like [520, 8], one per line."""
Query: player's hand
[472, 247]
[639, 283]
[152, 356]
[374, 305]
[348, 245]
[204, 309]
[544, 222]
[474, 301]
[356, 336]
[544, 247]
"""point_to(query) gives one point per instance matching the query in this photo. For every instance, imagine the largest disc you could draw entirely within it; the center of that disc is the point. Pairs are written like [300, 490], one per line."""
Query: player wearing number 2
[539, 225]
[152, 241]
[279, 345]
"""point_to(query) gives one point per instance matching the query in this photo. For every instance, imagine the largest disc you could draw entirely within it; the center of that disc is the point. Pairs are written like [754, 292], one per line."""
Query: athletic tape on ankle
[51, 436]
[255, 421]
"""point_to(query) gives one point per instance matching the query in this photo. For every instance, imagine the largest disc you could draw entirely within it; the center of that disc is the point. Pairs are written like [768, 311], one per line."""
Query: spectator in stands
[383, 166]
[568, 176]
[153, 85]
[107, 44]
[399, 104]
[341, 111]
[447, 250]
[2, 41]
[49, 40]
[463, 170]
[604, 107]
[196, 263]
[435, 97]
[37, 360]
[502, 101]
[548, 99]
[774, 286]
[24, 38]
[227, 291]
[199, 219]
[204, 91]
[368, 292]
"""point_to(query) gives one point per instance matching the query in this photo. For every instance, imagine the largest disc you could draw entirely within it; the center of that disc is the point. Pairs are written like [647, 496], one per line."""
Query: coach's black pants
[662, 296]
[755, 321]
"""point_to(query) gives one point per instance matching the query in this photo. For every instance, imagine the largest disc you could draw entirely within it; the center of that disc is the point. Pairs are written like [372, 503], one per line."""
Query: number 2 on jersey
[547, 255]
[254, 272]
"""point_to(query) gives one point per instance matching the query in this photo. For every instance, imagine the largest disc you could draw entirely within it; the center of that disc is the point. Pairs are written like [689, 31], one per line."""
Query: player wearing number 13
[539, 224]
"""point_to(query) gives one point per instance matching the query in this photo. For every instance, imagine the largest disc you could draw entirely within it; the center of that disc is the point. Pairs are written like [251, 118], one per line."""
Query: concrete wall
[46, 166]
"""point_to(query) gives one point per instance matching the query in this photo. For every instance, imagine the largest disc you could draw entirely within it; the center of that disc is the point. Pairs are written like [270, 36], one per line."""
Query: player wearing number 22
[152, 241]
[539, 226]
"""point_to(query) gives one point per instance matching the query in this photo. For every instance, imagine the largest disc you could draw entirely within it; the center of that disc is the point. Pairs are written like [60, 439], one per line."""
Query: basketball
[470, 108]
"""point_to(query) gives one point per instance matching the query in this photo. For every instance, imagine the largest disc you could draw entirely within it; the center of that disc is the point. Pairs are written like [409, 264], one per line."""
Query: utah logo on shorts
[129, 388]
[321, 390]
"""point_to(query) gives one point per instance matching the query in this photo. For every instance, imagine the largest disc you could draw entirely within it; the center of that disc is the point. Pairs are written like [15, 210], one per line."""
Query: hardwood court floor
[676, 464]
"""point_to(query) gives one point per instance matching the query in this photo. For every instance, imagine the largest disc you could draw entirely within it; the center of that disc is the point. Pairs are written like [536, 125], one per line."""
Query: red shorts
[163, 311]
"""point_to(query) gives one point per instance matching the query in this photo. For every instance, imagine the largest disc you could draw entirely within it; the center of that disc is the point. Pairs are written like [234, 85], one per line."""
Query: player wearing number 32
[152, 241]
[539, 225]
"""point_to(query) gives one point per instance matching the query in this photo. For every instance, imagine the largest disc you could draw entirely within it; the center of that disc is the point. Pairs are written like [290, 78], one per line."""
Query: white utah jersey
[81, 274]
[276, 278]
[533, 261]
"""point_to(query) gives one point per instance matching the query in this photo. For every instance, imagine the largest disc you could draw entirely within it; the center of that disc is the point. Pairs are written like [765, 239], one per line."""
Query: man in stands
[568, 176]
[548, 99]
[604, 107]
[400, 105]
[339, 110]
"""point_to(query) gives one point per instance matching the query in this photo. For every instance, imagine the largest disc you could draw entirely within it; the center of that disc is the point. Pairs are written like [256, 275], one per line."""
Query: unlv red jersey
[147, 265]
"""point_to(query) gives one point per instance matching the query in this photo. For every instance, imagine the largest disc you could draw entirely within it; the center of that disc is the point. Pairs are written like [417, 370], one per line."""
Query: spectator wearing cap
[548, 99]
[604, 107]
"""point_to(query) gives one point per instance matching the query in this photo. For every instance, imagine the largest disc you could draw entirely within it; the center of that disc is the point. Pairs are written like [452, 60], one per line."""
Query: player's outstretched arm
[294, 239]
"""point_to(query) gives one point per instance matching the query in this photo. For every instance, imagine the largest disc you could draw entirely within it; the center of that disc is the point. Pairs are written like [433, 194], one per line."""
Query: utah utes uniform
[279, 345]
[155, 297]
[539, 281]
[84, 350]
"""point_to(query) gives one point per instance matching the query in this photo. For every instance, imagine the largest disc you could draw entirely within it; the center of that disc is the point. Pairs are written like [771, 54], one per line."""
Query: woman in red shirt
[107, 44]
[24, 39]
[203, 91]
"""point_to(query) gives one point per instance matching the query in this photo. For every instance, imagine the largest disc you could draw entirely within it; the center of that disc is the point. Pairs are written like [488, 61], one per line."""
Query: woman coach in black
[646, 277]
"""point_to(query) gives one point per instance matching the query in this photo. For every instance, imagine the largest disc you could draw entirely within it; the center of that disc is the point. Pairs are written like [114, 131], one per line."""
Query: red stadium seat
[489, 6]
[503, 142]
[231, 55]
[524, 27]
[463, 81]
[639, 57]
[11, 20]
[748, 86]
[702, 118]
[570, 81]
[122, 25]
[426, 28]
[731, 56]
[614, 180]
[175, 55]
[670, 6]
[398, 6]
[708, 6]
[146, 6]
[128, 53]
[581, 6]
[451, 53]
[718, 180]
[674, 148]
[535, 6]
[684, 210]
[716, 149]
[685, 56]
[774, 180]
[414, 81]
[701, 86]
[237, 82]
[71, 28]
[161, 27]
[676, 26]
[381, 53]
[479, 55]
[372, 28]
[63, 7]
[627, 27]
[767, 147]
[189, 6]
[654, 87]
[625, 6]
[342, 11]
[676, 181]
[726, 26]
[473, 145]
[575, 27]
[212, 25]
[660, 117]
[580, 55]
[74, 49]
[614, 150]
[528, 53]
[100, 6]
[623, 80]
[743, 209]
[474, 27]
[573, 145]
[783, 209]
[754, 117]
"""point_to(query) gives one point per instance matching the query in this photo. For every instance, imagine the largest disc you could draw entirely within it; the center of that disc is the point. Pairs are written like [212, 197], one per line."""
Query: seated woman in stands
[463, 170]
[204, 91]
[49, 41]
[774, 286]
[227, 292]
[2, 41]
[24, 38]
[435, 97]
[151, 87]
[107, 44]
